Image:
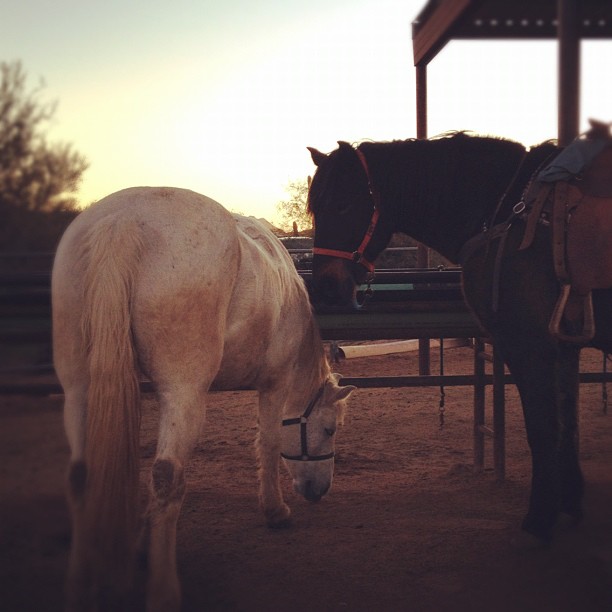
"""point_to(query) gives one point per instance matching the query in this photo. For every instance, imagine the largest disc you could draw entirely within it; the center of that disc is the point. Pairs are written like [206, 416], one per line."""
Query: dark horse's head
[348, 231]
[441, 192]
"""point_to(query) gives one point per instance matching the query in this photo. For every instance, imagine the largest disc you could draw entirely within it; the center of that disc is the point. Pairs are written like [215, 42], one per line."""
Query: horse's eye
[330, 431]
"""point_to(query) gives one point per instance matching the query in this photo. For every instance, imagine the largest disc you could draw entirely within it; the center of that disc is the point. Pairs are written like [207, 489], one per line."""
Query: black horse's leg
[545, 372]
[533, 366]
[572, 484]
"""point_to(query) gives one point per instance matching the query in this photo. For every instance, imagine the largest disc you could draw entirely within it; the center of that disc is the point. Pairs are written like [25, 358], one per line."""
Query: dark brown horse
[444, 193]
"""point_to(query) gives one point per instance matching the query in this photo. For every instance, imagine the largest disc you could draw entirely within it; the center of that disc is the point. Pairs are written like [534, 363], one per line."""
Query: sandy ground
[408, 525]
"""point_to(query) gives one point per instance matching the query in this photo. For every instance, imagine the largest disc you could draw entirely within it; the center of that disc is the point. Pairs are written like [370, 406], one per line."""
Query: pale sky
[224, 96]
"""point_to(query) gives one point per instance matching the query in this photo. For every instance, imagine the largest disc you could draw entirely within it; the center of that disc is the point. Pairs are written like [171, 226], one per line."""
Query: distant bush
[38, 180]
[34, 174]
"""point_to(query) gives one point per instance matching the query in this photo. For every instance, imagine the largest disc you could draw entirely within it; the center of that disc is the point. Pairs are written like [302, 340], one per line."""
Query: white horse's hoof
[278, 518]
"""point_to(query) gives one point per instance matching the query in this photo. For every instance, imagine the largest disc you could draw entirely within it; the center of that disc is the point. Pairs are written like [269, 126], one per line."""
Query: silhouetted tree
[295, 209]
[34, 174]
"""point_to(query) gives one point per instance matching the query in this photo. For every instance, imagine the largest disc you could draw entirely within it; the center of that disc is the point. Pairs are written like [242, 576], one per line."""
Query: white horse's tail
[110, 508]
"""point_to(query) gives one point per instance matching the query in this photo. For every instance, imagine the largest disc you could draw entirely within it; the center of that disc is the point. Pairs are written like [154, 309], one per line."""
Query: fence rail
[414, 303]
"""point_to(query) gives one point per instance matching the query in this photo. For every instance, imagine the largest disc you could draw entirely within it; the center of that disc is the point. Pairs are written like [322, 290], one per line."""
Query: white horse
[166, 284]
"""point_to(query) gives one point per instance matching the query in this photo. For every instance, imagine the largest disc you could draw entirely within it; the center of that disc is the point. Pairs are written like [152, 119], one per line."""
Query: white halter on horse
[166, 284]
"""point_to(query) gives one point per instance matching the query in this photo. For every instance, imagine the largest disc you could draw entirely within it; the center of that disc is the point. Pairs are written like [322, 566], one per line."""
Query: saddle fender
[589, 241]
[580, 212]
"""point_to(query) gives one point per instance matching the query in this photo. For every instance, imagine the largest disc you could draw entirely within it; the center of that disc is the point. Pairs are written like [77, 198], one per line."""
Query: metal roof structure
[568, 21]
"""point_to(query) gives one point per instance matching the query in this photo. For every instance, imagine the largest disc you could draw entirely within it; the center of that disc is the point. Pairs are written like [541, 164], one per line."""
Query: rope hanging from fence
[604, 384]
[441, 409]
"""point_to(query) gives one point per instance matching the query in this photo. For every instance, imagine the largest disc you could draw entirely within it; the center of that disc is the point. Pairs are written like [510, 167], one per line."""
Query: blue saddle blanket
[573, 159]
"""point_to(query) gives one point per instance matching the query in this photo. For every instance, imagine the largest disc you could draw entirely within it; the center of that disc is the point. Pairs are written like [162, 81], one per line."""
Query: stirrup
[588, 327]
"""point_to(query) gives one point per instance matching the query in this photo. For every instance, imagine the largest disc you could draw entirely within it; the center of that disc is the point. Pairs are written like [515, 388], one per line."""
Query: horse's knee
[167, 481]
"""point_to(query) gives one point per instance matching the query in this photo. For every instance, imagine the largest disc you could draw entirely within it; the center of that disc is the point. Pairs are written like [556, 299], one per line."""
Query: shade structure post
[422, 250]
[569, 70]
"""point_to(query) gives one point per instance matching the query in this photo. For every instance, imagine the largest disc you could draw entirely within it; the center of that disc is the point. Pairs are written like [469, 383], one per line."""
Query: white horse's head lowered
[308, 440]
[194, 299]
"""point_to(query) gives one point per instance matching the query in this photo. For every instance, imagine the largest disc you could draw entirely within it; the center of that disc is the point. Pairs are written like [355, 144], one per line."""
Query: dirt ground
[408, 525]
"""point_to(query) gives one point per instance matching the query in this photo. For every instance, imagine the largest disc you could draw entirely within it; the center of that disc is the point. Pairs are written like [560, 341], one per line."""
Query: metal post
[499, 415]
[422, 251]
[569, 70]
[479, 404]
[421, 110]
[421, 100]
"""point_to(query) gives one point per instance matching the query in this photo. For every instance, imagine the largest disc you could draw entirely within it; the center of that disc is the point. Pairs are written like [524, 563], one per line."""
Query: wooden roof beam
[430, 37]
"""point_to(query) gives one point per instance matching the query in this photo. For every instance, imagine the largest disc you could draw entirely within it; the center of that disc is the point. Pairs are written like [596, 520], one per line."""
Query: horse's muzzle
[313, 495]
[333, 293]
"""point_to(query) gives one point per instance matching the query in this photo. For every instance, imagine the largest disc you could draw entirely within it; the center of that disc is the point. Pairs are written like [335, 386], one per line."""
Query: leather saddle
[579, 209]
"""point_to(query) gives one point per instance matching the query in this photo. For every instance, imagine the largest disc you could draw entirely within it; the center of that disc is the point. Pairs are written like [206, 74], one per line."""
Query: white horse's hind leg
[182, 415]
[268, 442]
[78, 583]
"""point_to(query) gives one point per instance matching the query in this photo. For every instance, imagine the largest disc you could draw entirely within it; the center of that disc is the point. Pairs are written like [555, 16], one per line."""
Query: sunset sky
[223, 97]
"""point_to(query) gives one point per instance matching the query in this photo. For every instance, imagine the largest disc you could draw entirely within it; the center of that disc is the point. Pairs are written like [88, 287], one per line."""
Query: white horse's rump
[167, 284]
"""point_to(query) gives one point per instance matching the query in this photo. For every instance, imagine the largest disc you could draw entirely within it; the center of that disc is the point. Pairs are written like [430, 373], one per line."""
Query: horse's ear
[339, 393]
[344, 392]
[344, 145]
[317, 157]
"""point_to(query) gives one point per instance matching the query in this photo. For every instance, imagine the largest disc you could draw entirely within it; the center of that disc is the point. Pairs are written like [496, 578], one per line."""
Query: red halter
[357, 256]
